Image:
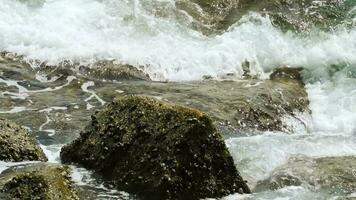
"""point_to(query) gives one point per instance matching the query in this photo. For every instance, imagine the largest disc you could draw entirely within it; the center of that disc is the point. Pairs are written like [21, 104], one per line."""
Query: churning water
[156, 35]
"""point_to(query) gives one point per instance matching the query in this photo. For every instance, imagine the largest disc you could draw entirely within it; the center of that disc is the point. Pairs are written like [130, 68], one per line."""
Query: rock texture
[156, 150]
[243, 104]
[17, 145]
[336, 174]
[302, 15]
[37, 181]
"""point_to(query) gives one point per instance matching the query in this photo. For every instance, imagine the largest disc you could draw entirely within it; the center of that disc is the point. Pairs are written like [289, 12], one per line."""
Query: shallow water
[55, 105]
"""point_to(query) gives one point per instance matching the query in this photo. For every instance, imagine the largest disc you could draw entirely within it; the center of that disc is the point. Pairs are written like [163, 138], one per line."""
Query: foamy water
[82, 30]
[128, 32]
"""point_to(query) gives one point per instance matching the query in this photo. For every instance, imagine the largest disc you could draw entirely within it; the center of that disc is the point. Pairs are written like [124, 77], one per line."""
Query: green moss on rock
[27, 186]
[156, 150]
[37, 181]
[17, 145]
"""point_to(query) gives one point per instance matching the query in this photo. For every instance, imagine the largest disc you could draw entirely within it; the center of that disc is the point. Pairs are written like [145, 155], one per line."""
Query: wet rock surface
[233, 104]
[303, 15]
[156, 150]
[246, 104]
[98, 70]
[37, 181]
[336, 174]
[17, 145]
[56, 103]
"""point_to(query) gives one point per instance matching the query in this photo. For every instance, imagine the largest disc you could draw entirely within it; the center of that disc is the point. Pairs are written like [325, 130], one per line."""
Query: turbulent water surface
[158, 37]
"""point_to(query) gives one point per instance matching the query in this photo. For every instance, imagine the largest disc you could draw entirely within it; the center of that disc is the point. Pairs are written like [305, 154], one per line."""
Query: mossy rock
[17, 145]
[42, 181]
[156, 150]
[334, 174]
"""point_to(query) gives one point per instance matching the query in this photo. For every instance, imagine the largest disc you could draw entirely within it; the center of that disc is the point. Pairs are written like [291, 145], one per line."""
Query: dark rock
[335, 174]
[37, 181]
[156, 150]
[17, 145]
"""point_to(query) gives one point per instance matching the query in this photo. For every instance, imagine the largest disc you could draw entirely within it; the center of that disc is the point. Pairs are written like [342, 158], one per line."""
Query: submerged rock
[237, 104]
[234, 104]
[17, 145]
[37, 181]
[156, 150]
[110, 70]
[299, 15]
[336, 174]
[302, 15]
[208, 15]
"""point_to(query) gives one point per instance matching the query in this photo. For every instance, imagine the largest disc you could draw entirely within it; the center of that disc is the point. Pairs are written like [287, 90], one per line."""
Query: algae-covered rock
[37, 181]
[156, 150]
[335, 174]
[17, 145]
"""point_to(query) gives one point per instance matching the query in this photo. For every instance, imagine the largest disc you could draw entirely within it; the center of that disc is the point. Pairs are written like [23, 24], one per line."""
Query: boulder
[17, 145]
[37, 181]
[335, 174]
[156, 150]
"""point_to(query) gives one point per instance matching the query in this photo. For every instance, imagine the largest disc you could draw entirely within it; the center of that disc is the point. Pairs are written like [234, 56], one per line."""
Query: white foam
[127, 31]
[15, 109]
[85, 87]
[52, 152]
[58, 30]
[333, 106]
[257, 156]
[24, 93]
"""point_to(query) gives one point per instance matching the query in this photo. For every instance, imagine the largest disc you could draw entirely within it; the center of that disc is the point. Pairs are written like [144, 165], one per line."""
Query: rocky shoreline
[166, 140]
[144, 142]
[193, 163]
